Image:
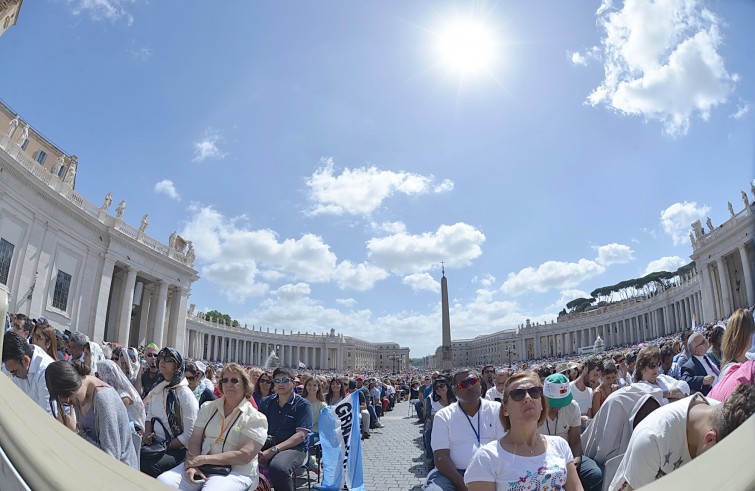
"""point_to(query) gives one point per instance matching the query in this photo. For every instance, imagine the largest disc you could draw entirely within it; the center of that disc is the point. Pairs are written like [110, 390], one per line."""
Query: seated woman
[96, 411]
[92, 354]
[263, 388]
[336, 393]
[736, 369]
[442, 396]
[195, 377]
[646, 371]
[523, 458]
[111, 374]
[174, 404]
[313, 394]
[215, 443]
[43, 335]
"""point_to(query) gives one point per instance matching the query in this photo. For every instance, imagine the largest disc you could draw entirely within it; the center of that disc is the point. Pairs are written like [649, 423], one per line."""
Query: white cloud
[110, 10]
[614, 254]
[242, 260]
[388, 227]
[741, 111]
[422, 281]
[661, 62]
[677, 219]
[346, 302]
[667, 263]
[140, 54]
[487, 280]
[361, 191]
[207, 147]
[551, 275]
[403, 253]
[578, 59]
[167, 188]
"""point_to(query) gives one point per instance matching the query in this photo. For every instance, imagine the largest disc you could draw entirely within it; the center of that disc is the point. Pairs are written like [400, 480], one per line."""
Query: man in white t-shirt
[564, 420]
[582, 387]
[459, 429]
[495, 393]
[678, 432]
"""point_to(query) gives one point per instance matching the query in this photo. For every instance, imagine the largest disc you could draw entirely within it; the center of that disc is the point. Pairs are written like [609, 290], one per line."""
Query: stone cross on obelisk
[447, 361]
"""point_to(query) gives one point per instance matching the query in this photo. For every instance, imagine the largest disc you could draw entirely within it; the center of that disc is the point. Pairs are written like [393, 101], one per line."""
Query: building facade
[722, 281]
[9, 10]
[85, 269]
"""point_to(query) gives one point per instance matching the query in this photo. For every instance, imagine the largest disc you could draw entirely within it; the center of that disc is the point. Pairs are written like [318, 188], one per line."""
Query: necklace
[531, 448]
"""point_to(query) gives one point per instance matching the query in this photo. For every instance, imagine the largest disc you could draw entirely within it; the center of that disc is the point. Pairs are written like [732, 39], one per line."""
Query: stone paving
[393, 457]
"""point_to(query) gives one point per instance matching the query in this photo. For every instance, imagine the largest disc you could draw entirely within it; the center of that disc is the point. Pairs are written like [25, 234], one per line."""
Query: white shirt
[567, 417]
[34, 385]
[491, 463]
[704, 361]
[155, 406]
[583, 398]
[658, 445]
[492, 394]
[456, 431]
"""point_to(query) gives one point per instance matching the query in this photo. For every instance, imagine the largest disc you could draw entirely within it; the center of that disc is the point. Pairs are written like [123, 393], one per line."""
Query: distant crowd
[561, 423]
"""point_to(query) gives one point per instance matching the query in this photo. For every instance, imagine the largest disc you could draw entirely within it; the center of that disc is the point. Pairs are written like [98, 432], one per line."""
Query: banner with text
[340, 437]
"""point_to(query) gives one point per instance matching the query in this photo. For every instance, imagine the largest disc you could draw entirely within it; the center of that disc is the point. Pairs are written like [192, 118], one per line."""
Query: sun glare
[466, 46]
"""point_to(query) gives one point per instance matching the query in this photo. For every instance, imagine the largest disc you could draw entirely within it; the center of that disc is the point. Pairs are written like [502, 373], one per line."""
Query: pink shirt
[736, 375]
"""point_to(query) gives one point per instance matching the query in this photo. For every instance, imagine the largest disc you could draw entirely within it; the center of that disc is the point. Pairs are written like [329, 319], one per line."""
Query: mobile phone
[199, 481]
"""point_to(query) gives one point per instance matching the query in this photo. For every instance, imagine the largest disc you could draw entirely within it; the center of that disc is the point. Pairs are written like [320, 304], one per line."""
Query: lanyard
[477, 431]
[555, 424]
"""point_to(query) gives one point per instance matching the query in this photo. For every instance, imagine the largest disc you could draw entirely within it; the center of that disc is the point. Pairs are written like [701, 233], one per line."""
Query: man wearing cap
[459, 429]
[564, 419]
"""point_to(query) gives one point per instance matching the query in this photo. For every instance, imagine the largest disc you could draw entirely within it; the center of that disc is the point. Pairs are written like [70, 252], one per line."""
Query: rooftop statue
[731, 209]
[144, 223]
[72, 168]
[745, 199]
[709, 223]
[24, 136]
[12, 126]
[120, 209]
[108, 201]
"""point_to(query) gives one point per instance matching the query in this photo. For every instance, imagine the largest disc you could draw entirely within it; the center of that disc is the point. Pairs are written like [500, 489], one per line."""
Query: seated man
[27, 364]
[289, 421]
[699, 371]
[678, 432]
[459, 429]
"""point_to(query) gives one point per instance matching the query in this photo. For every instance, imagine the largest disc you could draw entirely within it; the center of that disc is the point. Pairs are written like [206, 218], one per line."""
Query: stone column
[144, 317]
[101, 306]
[747, 273]
[127, 301]
[723, 277]
[177, 325]
[158, 328]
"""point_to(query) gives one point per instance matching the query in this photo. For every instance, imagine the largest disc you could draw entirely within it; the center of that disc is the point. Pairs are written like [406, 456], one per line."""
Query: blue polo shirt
[282, 422]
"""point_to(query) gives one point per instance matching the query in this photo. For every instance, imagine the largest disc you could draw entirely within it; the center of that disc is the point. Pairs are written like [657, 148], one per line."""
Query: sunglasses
[283, 380]
[233, 380]
[468, 382]
[190, 378]
[150, 355]
[440, 385]
[518, 394]
[488, 371]
[166, 358]
[264, 381]
[653, 366]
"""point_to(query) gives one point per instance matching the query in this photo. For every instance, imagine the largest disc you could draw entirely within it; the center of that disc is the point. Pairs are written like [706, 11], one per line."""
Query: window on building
[26, 144]
[62, 286]
[41, 156]
[62, 171]
[6, 254]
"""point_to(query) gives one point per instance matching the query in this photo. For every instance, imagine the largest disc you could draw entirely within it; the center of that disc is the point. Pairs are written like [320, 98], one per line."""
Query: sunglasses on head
[233, 380]
[518, 394]
[468, 382]
[283, 380]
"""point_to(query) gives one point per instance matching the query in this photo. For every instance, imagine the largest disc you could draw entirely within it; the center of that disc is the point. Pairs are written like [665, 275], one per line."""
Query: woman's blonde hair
[738, 335]
[243, 375]
[534, 377]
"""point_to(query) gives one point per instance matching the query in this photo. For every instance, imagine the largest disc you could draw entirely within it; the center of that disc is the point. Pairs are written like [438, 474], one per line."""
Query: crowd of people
[569, 423]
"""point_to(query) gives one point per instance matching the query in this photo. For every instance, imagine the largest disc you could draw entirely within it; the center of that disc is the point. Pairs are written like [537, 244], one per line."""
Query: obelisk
[446, 362]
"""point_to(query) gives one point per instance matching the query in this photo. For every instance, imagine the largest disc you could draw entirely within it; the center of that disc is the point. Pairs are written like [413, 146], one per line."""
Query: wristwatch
[274, 448]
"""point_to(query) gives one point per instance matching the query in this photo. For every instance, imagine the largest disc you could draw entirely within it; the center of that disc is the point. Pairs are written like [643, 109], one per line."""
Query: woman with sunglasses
[96, 410]
[442, 396]
[523, 458]
[195, 377]
[263, 388]
[173, 403]
[226, 440]
[336, 393]
[646, 371]
[43, 335]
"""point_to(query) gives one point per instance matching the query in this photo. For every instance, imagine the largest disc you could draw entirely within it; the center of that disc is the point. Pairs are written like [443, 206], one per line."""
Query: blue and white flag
[302, 364]
[340, 437]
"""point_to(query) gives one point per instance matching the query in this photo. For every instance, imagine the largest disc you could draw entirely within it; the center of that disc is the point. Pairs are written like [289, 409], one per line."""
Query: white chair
[612, 465]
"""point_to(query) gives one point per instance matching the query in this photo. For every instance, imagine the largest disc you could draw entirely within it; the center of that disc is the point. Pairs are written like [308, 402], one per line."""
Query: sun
[467, 46]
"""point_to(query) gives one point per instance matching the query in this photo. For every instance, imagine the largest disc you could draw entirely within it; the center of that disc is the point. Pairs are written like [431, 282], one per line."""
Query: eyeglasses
[653, 366]
[440, 385]
[468, 382]
[166, 358]
[150, 355]
[518, 394]
[283, 380]
[264, 381]
[190, 378]
[488, 371]
[233, 380]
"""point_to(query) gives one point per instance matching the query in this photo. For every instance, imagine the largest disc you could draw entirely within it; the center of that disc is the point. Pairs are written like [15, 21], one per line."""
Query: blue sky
[325, 157]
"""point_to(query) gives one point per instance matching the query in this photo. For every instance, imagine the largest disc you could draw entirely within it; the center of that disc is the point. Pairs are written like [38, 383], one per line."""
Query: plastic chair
[303, 466]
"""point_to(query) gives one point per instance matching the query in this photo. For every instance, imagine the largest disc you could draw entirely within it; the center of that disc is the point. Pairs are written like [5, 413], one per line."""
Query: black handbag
[210, 469]
[156, 449]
